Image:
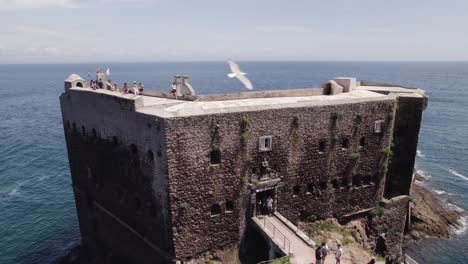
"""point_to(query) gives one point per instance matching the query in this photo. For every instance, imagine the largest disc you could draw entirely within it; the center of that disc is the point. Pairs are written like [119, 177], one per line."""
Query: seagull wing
[245, 81]
[234, 67]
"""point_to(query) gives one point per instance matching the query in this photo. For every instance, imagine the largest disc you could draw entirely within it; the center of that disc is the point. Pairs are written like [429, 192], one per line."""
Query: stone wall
[405, 142]
[387, 230]
[117, 163]
[307, 172]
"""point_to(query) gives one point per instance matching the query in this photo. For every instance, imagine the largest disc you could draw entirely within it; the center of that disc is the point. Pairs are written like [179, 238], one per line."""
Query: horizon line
[207, 61]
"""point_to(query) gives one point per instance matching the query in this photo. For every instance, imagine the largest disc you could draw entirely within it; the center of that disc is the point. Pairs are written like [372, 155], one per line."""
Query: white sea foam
[420, 154]
[16, 190]
[460, 229]
[439, 192]
[454, 172]
[454, 208]
[420, 183]
[423, 174]
[44, 177]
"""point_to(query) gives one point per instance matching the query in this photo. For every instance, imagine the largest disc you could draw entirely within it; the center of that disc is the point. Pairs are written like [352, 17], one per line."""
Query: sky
[74, 31]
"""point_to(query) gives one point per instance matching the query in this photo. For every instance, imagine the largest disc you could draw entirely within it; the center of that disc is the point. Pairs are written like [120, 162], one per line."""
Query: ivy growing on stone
[183, 205]
[355, 156]
[377, 210]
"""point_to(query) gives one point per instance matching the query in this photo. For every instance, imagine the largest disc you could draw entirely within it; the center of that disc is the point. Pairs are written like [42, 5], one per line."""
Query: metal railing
[283, 242]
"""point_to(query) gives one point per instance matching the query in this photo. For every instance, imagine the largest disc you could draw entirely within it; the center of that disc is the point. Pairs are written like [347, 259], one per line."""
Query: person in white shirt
[338, 253]
[269, 204]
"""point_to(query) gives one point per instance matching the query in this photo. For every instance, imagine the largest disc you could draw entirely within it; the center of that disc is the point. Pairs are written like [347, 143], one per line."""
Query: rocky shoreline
[430, 218]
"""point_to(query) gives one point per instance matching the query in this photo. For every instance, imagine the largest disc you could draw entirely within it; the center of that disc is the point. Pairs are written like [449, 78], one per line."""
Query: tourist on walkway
[372, 261]
[135, 88]
[325, 251]
[141, 87]
[338, 253]
[269, 204]
[318, 255]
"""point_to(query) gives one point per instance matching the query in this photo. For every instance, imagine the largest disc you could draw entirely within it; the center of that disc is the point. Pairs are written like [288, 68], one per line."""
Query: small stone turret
[74, 80]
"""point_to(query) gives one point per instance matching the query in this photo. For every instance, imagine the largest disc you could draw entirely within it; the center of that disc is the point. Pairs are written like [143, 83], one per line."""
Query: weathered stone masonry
[158, 180]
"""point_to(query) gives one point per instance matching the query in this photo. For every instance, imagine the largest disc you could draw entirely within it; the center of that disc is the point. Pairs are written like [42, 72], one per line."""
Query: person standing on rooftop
[173, 88]
[141, 87]
[135, 88]
[125, 88]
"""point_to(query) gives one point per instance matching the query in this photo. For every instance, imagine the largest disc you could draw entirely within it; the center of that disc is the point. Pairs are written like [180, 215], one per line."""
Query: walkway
[286, 239]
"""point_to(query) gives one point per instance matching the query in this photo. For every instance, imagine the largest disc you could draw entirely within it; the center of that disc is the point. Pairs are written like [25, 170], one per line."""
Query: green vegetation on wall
[376, 211]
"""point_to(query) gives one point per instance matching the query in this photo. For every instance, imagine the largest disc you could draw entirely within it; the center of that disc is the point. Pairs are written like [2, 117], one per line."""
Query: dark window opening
[335, 184]
[323, 185]
[94, 132]
[310, 188]
[362, 142]
[328, 89]
[366, 180]
[296, 190]
[133, 148]
[79, 84]
[322, 146]
[229, 206]
[358, 119]
[345, 143]
[150, 155]
[357, 180]
[159, 153]
[344, 182]
[215, 157]
[215, 209]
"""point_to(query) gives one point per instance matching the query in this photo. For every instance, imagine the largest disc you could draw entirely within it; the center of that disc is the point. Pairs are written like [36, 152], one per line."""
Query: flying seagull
[235, 72]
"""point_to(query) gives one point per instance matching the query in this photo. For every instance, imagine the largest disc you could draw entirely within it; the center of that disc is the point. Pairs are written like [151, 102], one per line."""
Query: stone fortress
[164, 178]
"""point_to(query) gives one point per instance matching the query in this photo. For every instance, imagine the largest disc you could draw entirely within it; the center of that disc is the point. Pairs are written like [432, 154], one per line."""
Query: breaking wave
[454, 172]
[439, 192]
[423, 174]
[420, 154]
[462, 226]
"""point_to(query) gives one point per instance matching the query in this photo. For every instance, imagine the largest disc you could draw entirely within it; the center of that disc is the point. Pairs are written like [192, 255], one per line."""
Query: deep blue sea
[38, 222]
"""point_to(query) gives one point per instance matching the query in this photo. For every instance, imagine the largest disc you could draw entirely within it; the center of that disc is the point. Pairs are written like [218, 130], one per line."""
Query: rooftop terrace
[169, 105]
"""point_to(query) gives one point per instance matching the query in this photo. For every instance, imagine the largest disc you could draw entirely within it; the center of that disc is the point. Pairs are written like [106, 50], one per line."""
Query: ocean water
[38, 222]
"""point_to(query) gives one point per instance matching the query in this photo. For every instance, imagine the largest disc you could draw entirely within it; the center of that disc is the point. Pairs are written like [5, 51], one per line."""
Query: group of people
[136, 88]
[265, 206]
[322, 251]
[109, 85]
